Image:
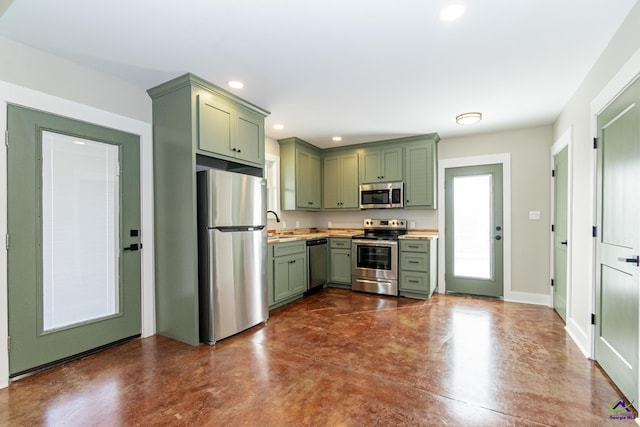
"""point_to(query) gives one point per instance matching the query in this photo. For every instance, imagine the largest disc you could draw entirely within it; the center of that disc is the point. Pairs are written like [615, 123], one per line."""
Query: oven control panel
[385, 224]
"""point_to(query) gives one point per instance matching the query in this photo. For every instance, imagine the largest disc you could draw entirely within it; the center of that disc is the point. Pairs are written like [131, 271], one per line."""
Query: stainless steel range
[374, 255]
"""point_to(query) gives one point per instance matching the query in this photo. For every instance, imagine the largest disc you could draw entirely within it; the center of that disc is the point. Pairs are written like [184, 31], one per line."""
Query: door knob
[635, 260]
[132, 247]
[498, 237]
[564, 243]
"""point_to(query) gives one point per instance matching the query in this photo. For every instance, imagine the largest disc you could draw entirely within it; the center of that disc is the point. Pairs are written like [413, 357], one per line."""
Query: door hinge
[594, 231]
[8, 343]
[553, 173]
[593, 318]
[595, 143]
[552, 282]
[6, 241]
[6, 138]
[553, 228]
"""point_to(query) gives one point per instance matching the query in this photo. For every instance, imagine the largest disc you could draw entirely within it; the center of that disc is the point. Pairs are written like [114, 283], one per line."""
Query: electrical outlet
[329, 224]
[297, 224]
[284, 225]
[412, 224]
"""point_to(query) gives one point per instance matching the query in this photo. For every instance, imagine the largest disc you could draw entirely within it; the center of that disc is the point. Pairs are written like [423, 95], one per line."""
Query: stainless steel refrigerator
[232, 243]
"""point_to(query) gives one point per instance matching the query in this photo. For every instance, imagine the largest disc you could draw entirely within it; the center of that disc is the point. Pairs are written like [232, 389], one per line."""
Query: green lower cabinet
[418, 268]
[287, 272]
[340, 263]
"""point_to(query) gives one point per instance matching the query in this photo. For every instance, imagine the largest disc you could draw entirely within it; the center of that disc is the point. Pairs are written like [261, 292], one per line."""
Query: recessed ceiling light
[468, 118]
[337, 138]
[236, 84]
[278, 126]
[452, 12]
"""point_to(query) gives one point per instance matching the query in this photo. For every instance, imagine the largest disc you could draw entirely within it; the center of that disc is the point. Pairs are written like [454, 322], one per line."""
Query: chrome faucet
[276, 215]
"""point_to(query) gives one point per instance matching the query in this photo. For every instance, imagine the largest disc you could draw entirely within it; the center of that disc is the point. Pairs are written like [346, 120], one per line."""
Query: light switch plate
[534, 214]
[412, 224]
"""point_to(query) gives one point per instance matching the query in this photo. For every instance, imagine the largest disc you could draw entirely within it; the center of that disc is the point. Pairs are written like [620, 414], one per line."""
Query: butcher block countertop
[282, 236]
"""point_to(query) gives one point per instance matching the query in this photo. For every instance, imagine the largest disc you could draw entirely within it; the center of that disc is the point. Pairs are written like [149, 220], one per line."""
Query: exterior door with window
[473, 230]
[617, 244]
[74, 237]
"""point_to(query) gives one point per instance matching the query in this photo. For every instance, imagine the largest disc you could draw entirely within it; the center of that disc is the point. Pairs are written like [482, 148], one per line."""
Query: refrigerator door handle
[234, 228]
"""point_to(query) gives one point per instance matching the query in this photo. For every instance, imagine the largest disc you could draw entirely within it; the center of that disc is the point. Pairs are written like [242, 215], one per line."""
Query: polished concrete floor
[337, 358]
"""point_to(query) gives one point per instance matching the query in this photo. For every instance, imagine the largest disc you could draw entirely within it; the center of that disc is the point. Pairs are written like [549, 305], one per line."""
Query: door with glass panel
[73, 237]
[473, 230]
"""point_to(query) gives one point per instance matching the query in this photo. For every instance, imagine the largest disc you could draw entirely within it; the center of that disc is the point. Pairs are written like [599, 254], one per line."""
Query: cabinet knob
[239, 150]
[233, 149]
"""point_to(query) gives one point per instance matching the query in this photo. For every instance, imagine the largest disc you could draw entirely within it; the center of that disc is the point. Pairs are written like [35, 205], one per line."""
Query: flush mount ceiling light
[236, 84]
[468, 118]
[278, 126]
[337, 138]
[452, 12]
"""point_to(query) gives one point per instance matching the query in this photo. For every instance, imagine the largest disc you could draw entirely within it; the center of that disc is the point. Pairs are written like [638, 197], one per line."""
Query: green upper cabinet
[229, 130]
[340, 185]
[381, 165]
[300, 175]
[420, 174]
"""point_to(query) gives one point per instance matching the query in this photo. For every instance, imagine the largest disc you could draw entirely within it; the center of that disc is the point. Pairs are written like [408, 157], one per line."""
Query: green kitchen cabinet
[421, 174]
[340, 262]
[340, 183]
[228, 130]
[300, 175]
[194, 122]
[287, 272]
[418, 268]
[380, 165]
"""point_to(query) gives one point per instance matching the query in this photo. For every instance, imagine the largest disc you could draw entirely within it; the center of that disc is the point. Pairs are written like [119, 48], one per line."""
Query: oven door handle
[390, 243]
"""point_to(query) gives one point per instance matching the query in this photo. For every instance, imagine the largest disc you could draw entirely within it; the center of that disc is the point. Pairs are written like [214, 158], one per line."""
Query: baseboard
[528, 298]
[579, 337]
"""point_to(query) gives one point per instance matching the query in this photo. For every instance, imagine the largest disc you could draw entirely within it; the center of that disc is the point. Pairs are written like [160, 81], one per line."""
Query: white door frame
[505, 160]
[565, 140]
[627, 74]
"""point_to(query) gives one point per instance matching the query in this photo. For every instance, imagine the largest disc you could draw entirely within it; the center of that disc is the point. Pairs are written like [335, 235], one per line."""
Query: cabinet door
[314, 181]
[340, 266]
[303, 195]
[215, 127]
[297, 273]
[281, 277]
[250, 138]
[391, 164]
[420, 177]
[331, 197]
[369, 167]
[349, 178]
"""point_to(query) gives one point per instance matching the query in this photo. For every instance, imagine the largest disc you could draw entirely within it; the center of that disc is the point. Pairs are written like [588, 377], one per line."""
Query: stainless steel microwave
[382, 196]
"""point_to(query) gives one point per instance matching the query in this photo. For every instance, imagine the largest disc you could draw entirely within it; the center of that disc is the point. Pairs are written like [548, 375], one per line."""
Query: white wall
[28, 77]
[614, 69]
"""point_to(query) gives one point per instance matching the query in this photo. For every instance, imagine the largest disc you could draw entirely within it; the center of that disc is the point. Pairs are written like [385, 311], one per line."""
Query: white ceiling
[363, 69]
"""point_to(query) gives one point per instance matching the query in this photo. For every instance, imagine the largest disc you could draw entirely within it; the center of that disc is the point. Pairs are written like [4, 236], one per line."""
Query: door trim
[565, 140]
[505, 160]
[18, 95]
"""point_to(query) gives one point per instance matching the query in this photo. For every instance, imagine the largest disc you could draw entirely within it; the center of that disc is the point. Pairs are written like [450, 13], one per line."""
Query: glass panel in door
[80, 230]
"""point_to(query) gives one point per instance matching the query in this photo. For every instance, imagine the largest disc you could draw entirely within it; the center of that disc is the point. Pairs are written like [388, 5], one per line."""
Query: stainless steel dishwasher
[317, 263]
